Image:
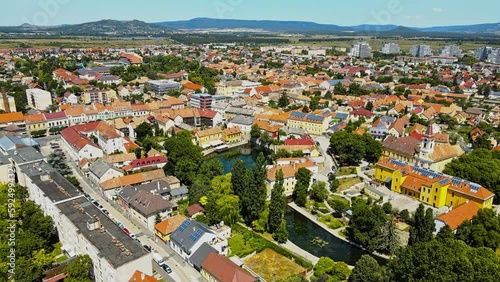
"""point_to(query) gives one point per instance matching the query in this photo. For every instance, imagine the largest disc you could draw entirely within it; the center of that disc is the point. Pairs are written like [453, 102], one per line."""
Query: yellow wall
[232, 138]
[209, 138]
[165, 238]
[436, 195]
[37, 126]
[310, 127]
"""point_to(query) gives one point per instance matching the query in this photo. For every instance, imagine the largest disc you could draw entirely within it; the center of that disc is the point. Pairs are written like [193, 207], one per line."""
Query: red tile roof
[56, 115]
[148, 161]
[194, 209]
[459, 214]
[224, 270]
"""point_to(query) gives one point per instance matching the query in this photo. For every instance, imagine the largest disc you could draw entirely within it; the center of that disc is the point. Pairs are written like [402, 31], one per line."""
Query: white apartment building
[38, 99]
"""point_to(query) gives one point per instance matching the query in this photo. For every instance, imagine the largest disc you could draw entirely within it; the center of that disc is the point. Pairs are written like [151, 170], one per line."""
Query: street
[181, 271]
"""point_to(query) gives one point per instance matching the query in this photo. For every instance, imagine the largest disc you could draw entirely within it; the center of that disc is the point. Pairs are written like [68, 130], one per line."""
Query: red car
[126, 230]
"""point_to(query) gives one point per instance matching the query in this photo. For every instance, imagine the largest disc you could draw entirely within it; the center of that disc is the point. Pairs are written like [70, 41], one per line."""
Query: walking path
[300, 252]
[334, 232]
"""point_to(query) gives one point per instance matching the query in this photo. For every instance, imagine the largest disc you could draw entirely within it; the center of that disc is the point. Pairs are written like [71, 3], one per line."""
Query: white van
[158, 259]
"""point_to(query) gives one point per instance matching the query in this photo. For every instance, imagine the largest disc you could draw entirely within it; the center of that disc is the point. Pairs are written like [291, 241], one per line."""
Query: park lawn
[346, 183]
[331, 221]
[346, 170]
[338, 198]
[268, 262]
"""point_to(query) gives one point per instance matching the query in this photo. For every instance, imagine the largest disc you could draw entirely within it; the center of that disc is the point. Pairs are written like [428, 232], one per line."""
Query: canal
[315, 240]
[302, 232]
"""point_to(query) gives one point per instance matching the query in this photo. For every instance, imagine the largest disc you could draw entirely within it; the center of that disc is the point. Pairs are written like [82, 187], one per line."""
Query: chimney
[6, 105]
[143, 276]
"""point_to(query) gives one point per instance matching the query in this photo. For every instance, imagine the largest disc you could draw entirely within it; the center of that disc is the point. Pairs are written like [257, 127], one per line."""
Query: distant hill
[311, 27]
[102, 27]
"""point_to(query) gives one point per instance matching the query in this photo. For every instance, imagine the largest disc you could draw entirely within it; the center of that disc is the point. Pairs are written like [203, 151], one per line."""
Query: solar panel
[444, 181]
[298, 114]
[184, 225]
[195, 236]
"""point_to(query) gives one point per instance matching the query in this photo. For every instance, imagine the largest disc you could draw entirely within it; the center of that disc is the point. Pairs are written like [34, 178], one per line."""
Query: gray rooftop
[100, 167]
[102, 241]
[25, 155]
[240, 111]
[201, 254]
[179, 191]
[149, 204]
[188, 233]
[55, 187]
[36, 168]
[242, 120]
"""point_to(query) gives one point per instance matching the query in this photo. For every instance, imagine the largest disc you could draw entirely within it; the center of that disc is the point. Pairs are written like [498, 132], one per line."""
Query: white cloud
[437, 10]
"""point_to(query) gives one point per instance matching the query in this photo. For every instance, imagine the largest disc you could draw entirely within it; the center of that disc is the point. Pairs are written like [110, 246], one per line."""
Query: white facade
[38, 99]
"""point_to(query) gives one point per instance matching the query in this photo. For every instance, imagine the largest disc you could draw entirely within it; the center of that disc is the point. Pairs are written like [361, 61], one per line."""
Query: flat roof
[56, 188]
[102, 241]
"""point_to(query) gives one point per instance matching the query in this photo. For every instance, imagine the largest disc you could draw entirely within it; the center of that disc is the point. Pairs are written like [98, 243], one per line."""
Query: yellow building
[35, 122]
[209, 137]
[164, 228]
[232, 135]
[312, 124]
[227, 88]
[430, 187]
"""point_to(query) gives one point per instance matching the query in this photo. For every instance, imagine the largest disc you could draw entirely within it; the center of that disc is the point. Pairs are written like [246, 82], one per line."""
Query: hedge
[260, 243]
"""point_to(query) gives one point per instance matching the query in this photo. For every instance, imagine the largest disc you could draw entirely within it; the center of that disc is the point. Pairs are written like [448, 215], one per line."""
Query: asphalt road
[181, 271]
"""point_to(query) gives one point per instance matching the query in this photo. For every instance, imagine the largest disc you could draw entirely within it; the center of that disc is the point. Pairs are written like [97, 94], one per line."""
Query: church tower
[428, 143]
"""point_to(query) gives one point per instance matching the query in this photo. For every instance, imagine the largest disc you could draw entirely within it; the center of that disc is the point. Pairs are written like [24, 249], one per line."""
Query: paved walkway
[334, 232]
[300, 252]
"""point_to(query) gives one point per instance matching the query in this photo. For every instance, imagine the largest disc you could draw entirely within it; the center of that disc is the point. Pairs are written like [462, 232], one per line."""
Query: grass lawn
[346, 170]
[331, 221]
[313, 205]
[268, 262]
[238, 246]
[347, 183]
[338, 198]
[57, 249]
[61, 259]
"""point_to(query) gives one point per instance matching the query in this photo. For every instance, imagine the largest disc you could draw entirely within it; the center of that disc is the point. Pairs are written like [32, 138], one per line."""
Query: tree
[254, 197]
[42, 259]
[388, 241]
[482, 231]
[239, 178]
[405, 215]
[448, 260]
[367, 269]
[281, 234]
[319, 191]
[303, 178]
[481, 166]
[255, 131]
[333, 182]
[387, 207]
[482, 142]
[366, 225]
[184, 158]
[369, 106]
[278, 204]
[283, 101]
[331, 270]
[423, 226]
[80, 270]
[445, 233]
[143, 130]
[198, 189]
[157, 218]
[212, 168]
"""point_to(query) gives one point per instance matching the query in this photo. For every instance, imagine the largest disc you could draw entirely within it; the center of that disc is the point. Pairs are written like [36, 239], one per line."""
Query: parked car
[166, 268]
[147, 248]
[105, 211]
[126, 230]
[132, 235]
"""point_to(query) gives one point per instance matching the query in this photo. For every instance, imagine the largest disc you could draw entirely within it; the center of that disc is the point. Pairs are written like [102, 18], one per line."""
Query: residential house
[219, 268]
[146, 163]
[101, 171]
[190, 235]
[244, 123]
[164, 228]
[79, 146]
[38, 99]
[112, 187]
[35, 122]
[312, 124]
[56, 120]
[145, 206]
[209, 137]
[289, 167]
[232, 135]
[456, 216]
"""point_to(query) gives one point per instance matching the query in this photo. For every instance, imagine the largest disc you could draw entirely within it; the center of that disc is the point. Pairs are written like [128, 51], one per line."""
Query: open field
[268, 262]
[77, 43]
[346, 183]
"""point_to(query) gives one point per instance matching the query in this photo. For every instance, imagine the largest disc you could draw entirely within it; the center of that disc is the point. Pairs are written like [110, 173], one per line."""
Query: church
[428, 150]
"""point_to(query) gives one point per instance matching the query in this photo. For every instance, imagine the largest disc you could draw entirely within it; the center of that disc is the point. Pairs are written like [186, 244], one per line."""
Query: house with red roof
[79, 146]
[455, 217]
[146, 163]
[305, 140]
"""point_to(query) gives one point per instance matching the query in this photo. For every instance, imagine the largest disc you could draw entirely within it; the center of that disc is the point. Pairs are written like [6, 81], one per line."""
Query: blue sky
[418, 13]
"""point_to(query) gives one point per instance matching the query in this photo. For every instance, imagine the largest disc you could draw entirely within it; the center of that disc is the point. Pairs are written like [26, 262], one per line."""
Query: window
[436, 190]
[435, 198]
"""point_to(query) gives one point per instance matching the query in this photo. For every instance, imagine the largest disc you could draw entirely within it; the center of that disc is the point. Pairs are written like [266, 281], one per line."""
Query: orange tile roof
[168, 225]
[137, 277]
[232, 130]
[36, 118]
[209, 132]
[459, 214]
[11, 117]
[132, 179]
